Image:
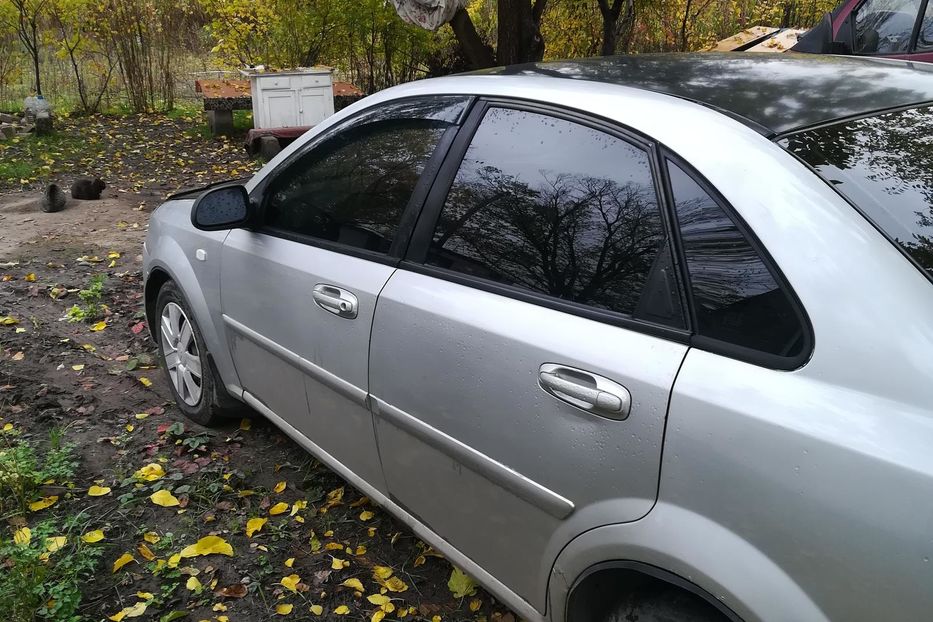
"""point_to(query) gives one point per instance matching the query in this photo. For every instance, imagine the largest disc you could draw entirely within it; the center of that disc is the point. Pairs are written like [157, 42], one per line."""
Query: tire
[198, 391]
[664, 604]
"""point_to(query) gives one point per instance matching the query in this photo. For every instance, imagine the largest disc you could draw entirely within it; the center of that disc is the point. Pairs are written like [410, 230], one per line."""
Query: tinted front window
[883, 165]
[554, 207]
[925, 38]
[353, 188]
[736, 298]
[885, 26]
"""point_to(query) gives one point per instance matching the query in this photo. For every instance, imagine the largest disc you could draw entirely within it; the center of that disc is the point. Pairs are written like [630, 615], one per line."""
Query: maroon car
[887, 28]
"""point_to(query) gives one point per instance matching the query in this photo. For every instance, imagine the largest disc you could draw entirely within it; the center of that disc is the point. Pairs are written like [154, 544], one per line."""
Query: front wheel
[185, 358]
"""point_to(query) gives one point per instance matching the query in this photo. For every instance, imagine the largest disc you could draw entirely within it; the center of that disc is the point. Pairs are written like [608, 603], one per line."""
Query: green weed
[91, 298]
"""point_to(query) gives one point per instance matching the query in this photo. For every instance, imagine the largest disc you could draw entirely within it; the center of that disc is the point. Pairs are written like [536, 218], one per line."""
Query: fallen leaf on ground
[339, 564]
[253, 525]
[151, 537]
[290, 562]
[290, 582]
[22, 536]
[460, 584]
[316, 609]
[342, 610]
[150, 473]
[99, 326]
[43, 503]
[130, 612]
[279, 487]
[98, 491]
[146, 552]
[194, 584]
[284, 609]
[237, 590]
[208, 545]
[163, 498]
[145, 381]
[54, 543]
[355, 584]
[93, 536]
[122, 561]
[366, 515]
[278, 508]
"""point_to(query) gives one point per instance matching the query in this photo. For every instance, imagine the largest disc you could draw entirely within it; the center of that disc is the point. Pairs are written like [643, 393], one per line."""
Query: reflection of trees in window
[882, 164]
[353, 188]
[583, 238]
[737, 298]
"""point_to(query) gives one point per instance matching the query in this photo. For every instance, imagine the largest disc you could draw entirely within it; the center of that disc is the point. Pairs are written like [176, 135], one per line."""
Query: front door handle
[586, 390]
[335, 300]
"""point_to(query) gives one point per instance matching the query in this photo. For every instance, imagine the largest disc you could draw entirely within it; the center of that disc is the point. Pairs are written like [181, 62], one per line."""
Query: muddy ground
[103, 388]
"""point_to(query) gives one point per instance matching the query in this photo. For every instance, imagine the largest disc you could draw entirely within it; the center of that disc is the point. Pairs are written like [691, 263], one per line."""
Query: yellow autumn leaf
[174, 560]
[145, 595]
[298, 506]
[77, 367]
[460, 584]
[245, 424]
[150, 473]
[130, 427]
[98, 491]
[219, 607]
[208, 545]
[194, 584]
[355, 584]
[316, 609]
[54, 543]
[99, 326]
[93, 536]
[113, 255]
[7, 427]
[394, 584]
[163, 498]
[42, 503]
[141, 415]
[146, 552]
[122, 561]
[278, 508]
[145, 381]
[280, 486]
[366, 515]
[290, 582]
[284, 609]
[378, 599]
[255, 524]
[420, 560]
[151, 537]
[245, 493]
[130, 612]
[333, 546]
[290, 562]
[475, 604]
[22, 536]
[378, 615]
[342, 610]
[8, 320]
[382, 572]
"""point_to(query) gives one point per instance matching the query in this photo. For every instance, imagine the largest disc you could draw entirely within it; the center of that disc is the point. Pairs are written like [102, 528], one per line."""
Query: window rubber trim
[717, 346]
[416, 253]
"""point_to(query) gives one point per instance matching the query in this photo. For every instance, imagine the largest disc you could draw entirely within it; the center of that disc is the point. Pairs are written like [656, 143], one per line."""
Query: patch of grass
[22, 473]
[42, 578]
[91, 297]
[26, 158]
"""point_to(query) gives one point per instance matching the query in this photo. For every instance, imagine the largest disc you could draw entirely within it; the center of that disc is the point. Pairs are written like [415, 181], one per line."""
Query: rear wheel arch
[608, 589]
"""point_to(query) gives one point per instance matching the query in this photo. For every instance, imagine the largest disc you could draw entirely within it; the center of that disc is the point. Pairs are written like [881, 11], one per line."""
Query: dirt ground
[103, 388]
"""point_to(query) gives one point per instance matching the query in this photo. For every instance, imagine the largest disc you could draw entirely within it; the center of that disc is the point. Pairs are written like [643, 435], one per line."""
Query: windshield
[884, 165]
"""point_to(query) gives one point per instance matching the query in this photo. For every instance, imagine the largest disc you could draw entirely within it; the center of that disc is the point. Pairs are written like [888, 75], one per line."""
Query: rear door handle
[586, 390]
[335, 300]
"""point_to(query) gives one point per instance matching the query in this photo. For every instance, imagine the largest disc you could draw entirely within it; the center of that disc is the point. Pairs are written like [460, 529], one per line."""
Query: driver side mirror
[226, 207]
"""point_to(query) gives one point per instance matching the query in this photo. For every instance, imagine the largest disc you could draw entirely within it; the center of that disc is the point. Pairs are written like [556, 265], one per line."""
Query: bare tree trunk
[610, 17]
[519, 33]
[476, 52]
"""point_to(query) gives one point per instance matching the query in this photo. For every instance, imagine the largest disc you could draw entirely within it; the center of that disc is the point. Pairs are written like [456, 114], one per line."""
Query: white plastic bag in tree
[429, 14]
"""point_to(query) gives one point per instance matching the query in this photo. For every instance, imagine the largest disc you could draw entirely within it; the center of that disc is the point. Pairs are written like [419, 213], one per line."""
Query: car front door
[299, 288]
[523, 355]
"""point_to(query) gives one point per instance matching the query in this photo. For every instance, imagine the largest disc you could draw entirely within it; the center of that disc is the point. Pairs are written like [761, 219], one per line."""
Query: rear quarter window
[882, 164]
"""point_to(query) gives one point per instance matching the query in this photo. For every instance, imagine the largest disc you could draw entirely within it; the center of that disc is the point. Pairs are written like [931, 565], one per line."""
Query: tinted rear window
[883, 165]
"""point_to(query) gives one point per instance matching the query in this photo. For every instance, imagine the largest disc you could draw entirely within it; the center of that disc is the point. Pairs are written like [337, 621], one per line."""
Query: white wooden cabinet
[301, 97]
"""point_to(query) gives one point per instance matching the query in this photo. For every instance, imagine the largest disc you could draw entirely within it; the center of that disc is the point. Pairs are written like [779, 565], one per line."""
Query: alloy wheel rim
[180, 354]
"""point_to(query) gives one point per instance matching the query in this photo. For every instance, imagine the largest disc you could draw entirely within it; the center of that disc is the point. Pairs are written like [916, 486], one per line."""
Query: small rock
[8, 118]
[44, 126]
[7, 132]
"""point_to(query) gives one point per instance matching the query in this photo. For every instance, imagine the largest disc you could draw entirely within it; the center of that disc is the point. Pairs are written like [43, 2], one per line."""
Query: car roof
[771, 93]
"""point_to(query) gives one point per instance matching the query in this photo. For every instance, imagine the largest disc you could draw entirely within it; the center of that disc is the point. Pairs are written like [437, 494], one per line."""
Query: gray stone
[8, 118]
[7, 131]
[269, 147]
[44, 126]
[220, 122]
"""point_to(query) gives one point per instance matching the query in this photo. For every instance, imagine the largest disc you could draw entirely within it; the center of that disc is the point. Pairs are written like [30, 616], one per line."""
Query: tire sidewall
[202, 412]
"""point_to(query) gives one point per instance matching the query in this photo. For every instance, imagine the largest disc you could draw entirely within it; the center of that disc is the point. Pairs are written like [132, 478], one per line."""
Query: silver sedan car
[643, 338]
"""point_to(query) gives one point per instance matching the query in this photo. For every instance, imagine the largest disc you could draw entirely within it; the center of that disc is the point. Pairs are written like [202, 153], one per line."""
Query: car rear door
[299, 289]
[523, 355]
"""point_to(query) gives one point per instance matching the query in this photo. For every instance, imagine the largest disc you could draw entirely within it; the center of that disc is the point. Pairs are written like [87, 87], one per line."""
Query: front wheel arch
[599, 591]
